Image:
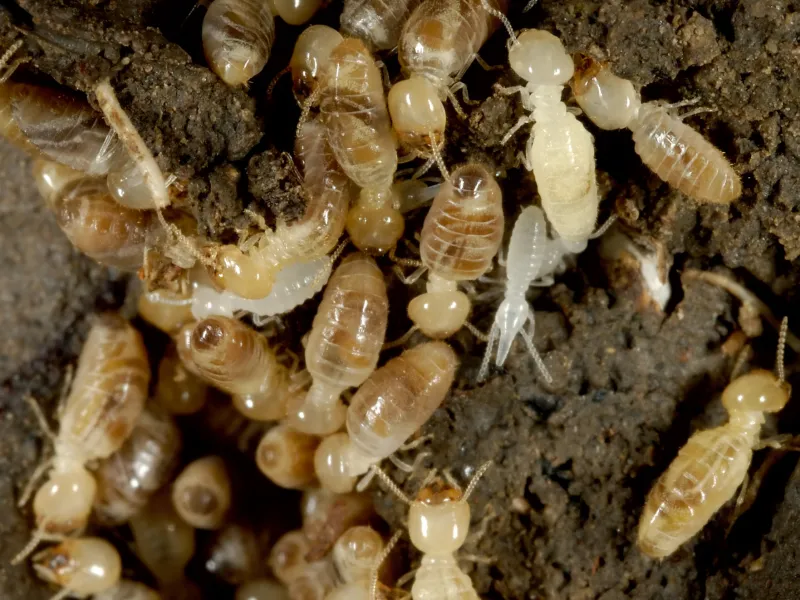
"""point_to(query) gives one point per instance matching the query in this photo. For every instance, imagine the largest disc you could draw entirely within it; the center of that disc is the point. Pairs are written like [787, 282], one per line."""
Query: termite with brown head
[713, 463]
[345, 343]
[81, 566]
[438, 524]
[377, 23]
[438, 43]
[201, 494]
[386, 410]
[673, 150]
[107, 396]
[237, 38]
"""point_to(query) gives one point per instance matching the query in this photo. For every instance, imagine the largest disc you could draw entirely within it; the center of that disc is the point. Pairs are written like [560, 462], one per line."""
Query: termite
[201, 493]
[128, 590]
[312, 50]
[165, 310]
[462, 233]
[438, 524]
[670, 148]
[107, 396]
[286, 457]
[178, 390]
[396, 400]
[81, 566]
[306, 580]
[262, 589]
[353, 108]
[345, 343]
[8, 126]
[377, 23]
[354, 557]
[327, 515]
[560, 151]
[295, 12]
[237, 38]
[713, 463]
[438, 43]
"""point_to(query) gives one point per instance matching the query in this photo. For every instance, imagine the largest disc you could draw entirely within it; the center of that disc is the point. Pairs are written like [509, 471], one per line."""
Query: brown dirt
[574, 459]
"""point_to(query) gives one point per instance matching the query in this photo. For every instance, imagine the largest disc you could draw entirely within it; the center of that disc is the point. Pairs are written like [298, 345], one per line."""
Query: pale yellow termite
[345, 343]
[673, 150]
[287, 457]
[178, 391]
[201, 493]
[713, 463]
[312, 50]
[295, 12]
[81, 566]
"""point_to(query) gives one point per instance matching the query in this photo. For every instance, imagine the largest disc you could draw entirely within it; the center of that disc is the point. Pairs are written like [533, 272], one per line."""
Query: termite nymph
[312, 50]
[237, 38]
[287, 457]
[202, 493]
[713, 463]
[670, 148]
[287, 557]
[345, 343]
[81, 566]
[377, 23]
[355, 551]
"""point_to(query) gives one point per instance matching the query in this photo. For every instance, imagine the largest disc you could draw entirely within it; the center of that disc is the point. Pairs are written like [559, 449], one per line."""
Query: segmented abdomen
[350, 325]
[703, 476]
[440, 578]
[526, 249]
[377, 23]
[464, 227]
[684, 158]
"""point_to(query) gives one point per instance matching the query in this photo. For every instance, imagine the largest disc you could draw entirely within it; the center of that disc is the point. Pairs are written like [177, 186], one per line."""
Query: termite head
[440, 314]
[312, 50]
[84, 566]
[245, 274]
[438, 520]
[418, 115]
[201, 494]
[509, 319]
[540, 58]
[609, 101]
[757, 391]
[63, 504]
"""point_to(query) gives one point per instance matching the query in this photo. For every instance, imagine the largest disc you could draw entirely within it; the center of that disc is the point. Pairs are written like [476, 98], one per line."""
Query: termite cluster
[329, 407]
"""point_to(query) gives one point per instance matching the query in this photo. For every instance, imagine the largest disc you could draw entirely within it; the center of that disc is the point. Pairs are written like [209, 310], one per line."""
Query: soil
[557, 513]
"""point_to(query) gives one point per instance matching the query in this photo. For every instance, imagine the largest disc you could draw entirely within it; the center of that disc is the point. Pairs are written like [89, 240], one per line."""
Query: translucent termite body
[295, 12]
[178, 391]
[354, 111]
[201, 494]
[462, 233]
[345, 343]
[128, 590]
[560, 151]
[163, 540]
[354, 553]
[287, 457]
[438, 43]
[312, 50]
[8, 126]
[81, 566]
[671, 149]
[251, 274]
[238, 360]
[128, 478]
[712, 464]
[237, 38]
[377, 23]
[107, 396]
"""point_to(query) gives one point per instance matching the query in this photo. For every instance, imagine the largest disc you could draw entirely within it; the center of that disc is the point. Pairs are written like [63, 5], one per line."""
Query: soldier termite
[81, 566]
[201, 493]
[713, 463]
[377, 23]
[237, 38]
[670, 148]
[106, 398]
[345, 343]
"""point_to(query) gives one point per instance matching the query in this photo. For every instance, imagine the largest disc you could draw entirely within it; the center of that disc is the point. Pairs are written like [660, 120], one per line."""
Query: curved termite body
[238, 360]
[201, 494]
[330, 464]
[377, 23]
[65, 129]
[128, 478]
[354, 553]
[345, 343]
[312, 50]
[712, 464]
[295, 12]
[671, 149]
[178, 391]
[233, 555]
[163, 540]
[560, 151]
[237, 38]
[105, 401]
[82, 566]
[286, 457]
[100, 228]
[461, 235]
[353, 108]
[128, 590]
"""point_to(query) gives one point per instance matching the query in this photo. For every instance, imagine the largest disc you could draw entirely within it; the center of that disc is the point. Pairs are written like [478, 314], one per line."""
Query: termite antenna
[437, 156]
[306, 112]
[529, 6]
[374, 571]
[476, 478]
[503, 19]
[393, 487]
[604, 227]
[34, 478]
[784, 331]
[40, 418]
[37, 538]
[275, 81]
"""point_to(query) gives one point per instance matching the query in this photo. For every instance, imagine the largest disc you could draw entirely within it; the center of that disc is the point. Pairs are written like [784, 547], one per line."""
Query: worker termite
[295, 12]
[163, 540]
[461, 235]
[312, 50]
[713, 463]
[178, 391]
[262, 589]
[128, 478]
[354, 554]
[327, 515]
[560, 151]
[128, 590]
[287, 557]
[377, 23]
[201, 494]
[287, 457]
[354, 111]
[105, 401]
[238, 360]
[233, 555]
[237, 38]
[393, 403]
[438, 524]
[438, 43]
[345, 343]
[81, 566]
[670, 148]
